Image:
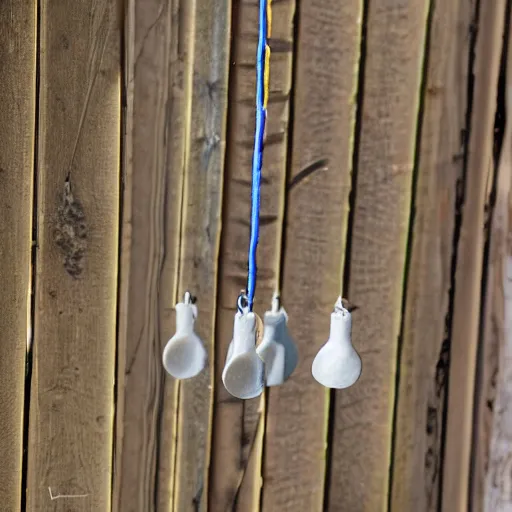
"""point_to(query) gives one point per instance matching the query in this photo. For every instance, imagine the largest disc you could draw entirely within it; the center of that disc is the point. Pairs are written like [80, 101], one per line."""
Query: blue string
[257, 160]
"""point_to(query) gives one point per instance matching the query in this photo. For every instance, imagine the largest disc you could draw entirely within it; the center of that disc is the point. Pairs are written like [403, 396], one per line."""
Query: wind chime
[250, 366]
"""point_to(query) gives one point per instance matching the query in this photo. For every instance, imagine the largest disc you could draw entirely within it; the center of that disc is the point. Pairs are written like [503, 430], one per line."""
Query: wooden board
[468, 276]
[158, 93]
[200, 228]
[17, 110]
[238, 426]
[491, 453]
[498, 481]
[421, 393]
[72, 399]
[362, 433]
[317, 212]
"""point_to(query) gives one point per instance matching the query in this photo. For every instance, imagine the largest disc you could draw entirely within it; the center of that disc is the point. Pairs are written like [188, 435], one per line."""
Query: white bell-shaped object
[243, 374]
[184, 355]
[337, 364]
[277, 349]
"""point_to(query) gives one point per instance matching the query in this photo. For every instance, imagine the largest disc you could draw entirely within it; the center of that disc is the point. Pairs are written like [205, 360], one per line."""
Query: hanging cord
[262, 87]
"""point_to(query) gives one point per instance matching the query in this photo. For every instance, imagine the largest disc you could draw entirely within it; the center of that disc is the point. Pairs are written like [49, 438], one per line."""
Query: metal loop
[243, 304]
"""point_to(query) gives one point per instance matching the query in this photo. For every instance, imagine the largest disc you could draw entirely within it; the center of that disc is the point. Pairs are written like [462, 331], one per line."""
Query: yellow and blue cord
[262, 92]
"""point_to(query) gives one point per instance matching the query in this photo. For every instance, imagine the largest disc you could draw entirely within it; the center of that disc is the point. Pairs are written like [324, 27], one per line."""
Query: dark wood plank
[421, 393]
[238, 426]
[72, 399]
[17, 110]
[158, 91]
[317, 214]
[468, 275]
[199, 250]
[362, 433]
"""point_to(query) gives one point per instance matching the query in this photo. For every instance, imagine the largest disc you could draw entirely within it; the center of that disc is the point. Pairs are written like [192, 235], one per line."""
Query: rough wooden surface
[71, 402]
[495, 477]
[238, 426]
[362, 434]
[158, 94]
[317, 206]
[164, 153]
[200, 228]
[17, 110]
[423, 361]
[467, 301]
[491, 452]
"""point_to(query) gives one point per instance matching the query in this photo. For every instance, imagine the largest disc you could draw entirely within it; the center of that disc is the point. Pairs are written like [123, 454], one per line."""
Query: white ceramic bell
[337, 364]
[277, 349]
[243, 374]
[184, 355]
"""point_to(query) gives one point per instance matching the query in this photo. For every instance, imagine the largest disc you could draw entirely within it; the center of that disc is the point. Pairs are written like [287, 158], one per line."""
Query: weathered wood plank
[423, 367]
[204, 161]
[158, 92]
[362, 432]
[491, 465]
[71, 403]
[468, 275]
[317, 213]
[238, 428]
[17, 110]
[486, 477]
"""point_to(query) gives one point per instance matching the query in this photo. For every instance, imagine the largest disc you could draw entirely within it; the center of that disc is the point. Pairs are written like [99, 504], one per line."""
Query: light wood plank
[494, 483]
[158, 92]
[487, 478]
[491, 457]
[71, 403]
[238, 426]
[17, 111]
[317, 213]
[468, 276]
[421, 394]
[393, 66]
[204, 165]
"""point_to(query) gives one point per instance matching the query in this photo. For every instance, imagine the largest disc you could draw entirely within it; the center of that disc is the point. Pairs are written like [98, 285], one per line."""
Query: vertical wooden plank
[238, 426]
[466, 314]
[493, 446]
[362, 433]
[317, 211]
[421, 389]
[71, 407]
[204, 164]
[17, 107]
[158, 91]
[498, 477]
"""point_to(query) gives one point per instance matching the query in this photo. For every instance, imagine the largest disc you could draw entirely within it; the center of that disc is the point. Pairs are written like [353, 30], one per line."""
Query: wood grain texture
[238, 425]
[158, 92]
[423, 360]
[204, 165]
[491, 451]
[467, 301]
[317, 213]
[17, 110]
[71, 402]
[498, 479]
[362, 433]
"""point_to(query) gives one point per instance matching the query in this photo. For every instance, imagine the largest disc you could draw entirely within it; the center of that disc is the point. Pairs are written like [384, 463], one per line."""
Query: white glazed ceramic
[184, 355]
[277, 349]
[337, 364]
[243, 374]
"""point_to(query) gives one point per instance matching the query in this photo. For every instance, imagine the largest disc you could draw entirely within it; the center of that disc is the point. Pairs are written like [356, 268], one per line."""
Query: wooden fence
[125, 153]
